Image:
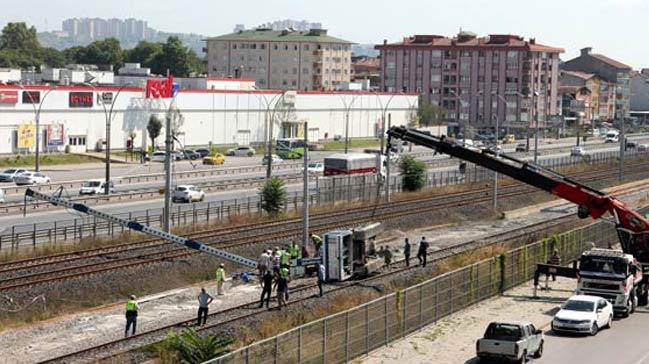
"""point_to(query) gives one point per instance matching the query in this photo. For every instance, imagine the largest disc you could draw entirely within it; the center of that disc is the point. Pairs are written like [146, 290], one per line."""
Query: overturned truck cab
[349, 253]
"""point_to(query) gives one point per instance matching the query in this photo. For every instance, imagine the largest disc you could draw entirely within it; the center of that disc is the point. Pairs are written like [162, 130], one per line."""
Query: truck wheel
[539, 352]
[523, 358]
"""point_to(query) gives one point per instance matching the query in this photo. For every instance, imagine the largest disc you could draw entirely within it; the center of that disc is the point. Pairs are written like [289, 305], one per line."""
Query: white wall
[219, 117]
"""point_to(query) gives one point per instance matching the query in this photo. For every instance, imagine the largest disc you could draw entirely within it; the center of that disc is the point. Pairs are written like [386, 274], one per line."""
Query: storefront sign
[8, 97]
[31, 97]
[80, 99]
[107, 98]
[55, 135]
[26, 136]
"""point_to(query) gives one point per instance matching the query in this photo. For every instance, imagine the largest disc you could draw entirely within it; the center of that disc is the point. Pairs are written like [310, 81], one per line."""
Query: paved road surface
[626, 343]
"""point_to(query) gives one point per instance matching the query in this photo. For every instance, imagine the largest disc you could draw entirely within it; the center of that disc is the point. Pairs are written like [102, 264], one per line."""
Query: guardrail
[328, 190]
[344, 336]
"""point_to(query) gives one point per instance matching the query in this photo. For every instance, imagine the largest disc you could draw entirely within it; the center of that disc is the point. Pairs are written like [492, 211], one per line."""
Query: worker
[220, 278]
[204, 300]
[387, 256]
[423, 251]
[284, 259]
[294, 250]
[321, 277]
[406, 252]
[131, 315]
[274, 260]
[262, 265]
[267, 288]
[317, 242]
[555, 259]
[282, 287]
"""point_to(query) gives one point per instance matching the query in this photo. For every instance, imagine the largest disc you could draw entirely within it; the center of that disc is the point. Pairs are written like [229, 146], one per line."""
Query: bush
[413, 173]
[273, 196]
[190, 347]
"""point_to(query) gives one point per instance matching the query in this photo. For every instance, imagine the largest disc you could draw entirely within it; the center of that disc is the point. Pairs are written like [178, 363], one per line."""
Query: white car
[276, 159]
[2, 196]
[161, 156]
[317, 167]
[95, 187]
[187, 193]
[577, 152]
[642, 147]
[31, 178]
[241, 152]
[8, 175]
[583, 313]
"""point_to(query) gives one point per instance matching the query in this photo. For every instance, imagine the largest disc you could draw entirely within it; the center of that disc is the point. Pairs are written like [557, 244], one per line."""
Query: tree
[52, 57]
[413, 173]
[18, 37]
[101, 52]
[144, 53]
[154, 127]
[178, 59]
[273, 196]
[429, 114]
[193, 348]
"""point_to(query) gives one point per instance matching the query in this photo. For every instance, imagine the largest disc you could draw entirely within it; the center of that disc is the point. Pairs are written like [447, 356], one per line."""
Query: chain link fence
[344, 336]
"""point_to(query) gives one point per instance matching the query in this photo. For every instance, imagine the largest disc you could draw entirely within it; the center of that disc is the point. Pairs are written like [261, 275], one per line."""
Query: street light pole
[37, 120]
[347, 110]
[622, 147]
[268, 131]
[305, 188]
[495, 191]
[536, 126]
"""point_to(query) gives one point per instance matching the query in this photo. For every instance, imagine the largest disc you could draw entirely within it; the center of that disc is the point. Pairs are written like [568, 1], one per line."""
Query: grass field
[45, 159]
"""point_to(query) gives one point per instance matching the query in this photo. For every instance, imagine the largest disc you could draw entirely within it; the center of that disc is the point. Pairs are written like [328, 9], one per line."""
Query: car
[187, 193]
[642, 147]
[612, 137]
[577, 151]
[214, 160]
[158, 156]
[630, 144]
[276, 159]
[495, 148]
[241, 152]
[521, 147]
[8, 175]
[512, 340]
[2, 195]
[583, 314]
[317, 167]
[95, 186]
[203, 152]
[31, 178]
[190, 154]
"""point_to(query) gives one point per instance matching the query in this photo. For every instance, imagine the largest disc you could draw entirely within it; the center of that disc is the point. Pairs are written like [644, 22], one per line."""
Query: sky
[617, 28]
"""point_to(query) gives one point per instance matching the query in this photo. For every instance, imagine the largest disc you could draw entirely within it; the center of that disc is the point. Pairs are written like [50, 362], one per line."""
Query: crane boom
[134, 225]
[632, 227]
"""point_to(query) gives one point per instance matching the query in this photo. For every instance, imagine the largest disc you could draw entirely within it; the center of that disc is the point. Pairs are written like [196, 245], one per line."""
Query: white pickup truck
[511, 340]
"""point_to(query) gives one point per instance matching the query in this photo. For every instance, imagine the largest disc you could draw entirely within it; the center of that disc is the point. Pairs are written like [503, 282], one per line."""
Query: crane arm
[134, 225]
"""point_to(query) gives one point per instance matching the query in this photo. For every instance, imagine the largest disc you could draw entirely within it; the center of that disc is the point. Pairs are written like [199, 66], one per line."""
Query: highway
[624, 343]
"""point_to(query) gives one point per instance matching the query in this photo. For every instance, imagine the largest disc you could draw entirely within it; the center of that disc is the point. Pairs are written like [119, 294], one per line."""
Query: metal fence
[355, 332]
[328, 190]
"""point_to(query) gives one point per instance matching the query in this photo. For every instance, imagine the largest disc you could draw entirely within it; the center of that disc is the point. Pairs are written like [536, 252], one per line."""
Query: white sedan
[187, 193]
[31, 178]
[317, 167]
[583, 313]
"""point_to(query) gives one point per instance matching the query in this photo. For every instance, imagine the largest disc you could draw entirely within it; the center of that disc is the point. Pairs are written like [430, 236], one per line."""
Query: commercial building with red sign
[8, 97]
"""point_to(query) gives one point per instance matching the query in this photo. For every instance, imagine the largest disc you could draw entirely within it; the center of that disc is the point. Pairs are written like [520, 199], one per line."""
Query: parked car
[317, 167]
[276, 159]
[510, 340]
[214, 160]
[642, 147]
[241, 152]
[495, 148]
[187, 193]
[612, 136]
[583, 313]
[521, 147]
[190, 154]
[161, 155]
[95, 186]
[577, 151]
[630, 144]
[2, 195]
[31, 178]
[203, 152]
[8, 175]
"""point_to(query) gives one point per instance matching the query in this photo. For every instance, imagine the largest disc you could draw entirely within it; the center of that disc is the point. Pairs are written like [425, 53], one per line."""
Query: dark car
[630, 144]
[521, 147]
[191, 155]
[203, 152]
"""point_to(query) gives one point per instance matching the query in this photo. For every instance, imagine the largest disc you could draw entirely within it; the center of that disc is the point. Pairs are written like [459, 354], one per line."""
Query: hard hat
[132, 296]
[222, 265]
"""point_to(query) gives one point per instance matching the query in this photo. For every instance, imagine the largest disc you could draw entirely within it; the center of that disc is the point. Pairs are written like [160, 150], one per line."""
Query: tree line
[20, 48]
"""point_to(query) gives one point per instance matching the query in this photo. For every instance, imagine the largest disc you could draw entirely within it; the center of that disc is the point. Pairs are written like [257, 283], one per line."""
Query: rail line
[100, 260]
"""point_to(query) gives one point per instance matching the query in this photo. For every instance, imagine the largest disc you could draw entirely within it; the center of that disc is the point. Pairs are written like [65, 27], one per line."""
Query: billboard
[106, 98]
[55, 135]
[81, 99]
[8, 97]
[26, 136]
[31, 97]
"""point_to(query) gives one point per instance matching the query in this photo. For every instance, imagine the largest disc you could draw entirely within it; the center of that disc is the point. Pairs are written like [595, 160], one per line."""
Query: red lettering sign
[8, 97]
[81, 99]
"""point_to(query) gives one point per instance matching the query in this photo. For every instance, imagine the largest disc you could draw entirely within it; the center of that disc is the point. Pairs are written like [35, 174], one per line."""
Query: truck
[631, 226]
[511, 340]
[354, 163]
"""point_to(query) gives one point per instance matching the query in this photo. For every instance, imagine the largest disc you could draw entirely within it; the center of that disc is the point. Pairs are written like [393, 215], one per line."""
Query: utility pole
[495, 191]
[622, 147]
[387, 166]
[305, 188]
[168, 166]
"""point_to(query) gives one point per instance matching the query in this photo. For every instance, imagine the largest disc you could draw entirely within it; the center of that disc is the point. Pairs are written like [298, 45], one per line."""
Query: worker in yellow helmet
[131, 315]
[220, 278]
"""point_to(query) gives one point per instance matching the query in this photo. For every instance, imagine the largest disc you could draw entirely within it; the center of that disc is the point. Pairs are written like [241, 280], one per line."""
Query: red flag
[159, 88]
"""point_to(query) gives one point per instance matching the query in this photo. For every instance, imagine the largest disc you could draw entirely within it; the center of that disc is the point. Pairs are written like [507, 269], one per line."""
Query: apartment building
[616, 73]
[287, 59]
[476, 79]
[600, 95]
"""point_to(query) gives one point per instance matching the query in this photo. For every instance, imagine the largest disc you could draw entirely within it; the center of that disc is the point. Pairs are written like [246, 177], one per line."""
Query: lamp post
[168, 165]
[268, 129]
[385, 152]
[463, 104]
[622, 142]
[347, 109]
[536, 126]
[495, 192]
[37, 120]
[109, 118]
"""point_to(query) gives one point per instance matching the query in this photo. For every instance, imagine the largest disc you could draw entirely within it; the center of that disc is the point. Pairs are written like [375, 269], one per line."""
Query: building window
[275, 46]
[306, 47]
[285, 47]
[294, 71]
[436, 53]
[435, 78]
[305, 71]
[465, 54]
[234, 46]
[481, 54]
[295, 47]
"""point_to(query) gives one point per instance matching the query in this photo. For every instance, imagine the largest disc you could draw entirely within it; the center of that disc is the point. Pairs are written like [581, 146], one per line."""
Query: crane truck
[622, 277]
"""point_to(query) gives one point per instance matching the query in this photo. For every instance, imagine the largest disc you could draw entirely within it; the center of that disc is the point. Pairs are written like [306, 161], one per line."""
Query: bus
[290, 148]
[353, 163]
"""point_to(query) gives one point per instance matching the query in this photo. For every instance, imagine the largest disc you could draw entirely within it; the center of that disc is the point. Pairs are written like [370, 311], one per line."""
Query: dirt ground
[55, 337]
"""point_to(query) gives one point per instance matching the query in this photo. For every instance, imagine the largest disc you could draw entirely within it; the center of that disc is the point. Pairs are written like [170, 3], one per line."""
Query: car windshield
[606, 265]
[181, 189]
[581, 306]
[313, 165]
[9, 171]
[92, 184]
[504, 332]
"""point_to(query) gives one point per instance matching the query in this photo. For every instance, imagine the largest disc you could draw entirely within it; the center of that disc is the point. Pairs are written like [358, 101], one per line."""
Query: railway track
[59, 267]
[303, 293]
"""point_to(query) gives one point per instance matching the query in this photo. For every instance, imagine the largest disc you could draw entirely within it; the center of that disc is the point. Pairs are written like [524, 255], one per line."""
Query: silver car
[241, 152]
[8, 175]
